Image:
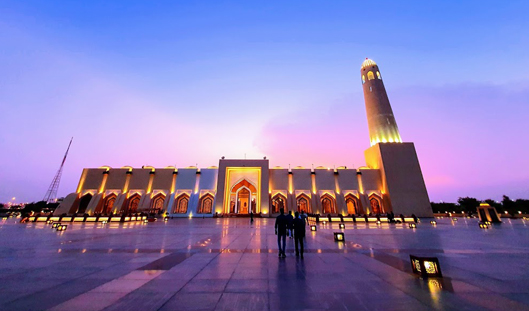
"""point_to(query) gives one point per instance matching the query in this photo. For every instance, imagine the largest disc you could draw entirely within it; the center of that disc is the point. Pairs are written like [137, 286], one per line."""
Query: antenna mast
[51, 194]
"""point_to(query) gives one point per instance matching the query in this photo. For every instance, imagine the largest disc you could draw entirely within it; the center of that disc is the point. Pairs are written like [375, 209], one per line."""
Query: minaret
[382, 125]
[402, 186]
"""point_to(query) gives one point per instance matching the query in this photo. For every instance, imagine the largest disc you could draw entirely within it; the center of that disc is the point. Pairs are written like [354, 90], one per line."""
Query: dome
[368, 62]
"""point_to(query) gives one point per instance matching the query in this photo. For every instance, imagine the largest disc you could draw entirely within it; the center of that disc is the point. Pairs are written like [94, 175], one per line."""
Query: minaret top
[368, 62]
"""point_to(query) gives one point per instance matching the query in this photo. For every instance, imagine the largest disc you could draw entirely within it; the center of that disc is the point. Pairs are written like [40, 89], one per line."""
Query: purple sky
[184, 84]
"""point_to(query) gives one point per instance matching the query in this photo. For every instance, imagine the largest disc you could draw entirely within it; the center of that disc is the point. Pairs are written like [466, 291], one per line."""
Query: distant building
[391, 181]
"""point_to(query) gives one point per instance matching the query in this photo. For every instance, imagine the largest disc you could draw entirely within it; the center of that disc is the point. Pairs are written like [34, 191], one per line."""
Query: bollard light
[412, 226]
[62, 227]
[342, 226]
[483, 226]
[324, 222]
[339, 237]
[145, 220]
[49, 222]
[433, 222]
[104, 222]
[313, 228]
[55, 225]
[488, 223]
[454, 219]
[165, 218]
[426, 266]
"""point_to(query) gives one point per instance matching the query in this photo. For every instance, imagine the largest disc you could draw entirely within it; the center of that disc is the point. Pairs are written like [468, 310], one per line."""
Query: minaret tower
[402, 185]
[380, 119]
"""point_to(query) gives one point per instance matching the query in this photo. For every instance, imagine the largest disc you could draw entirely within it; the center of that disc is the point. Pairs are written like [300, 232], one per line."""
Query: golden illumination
[368, 62]
[82, 180]
[229, 171]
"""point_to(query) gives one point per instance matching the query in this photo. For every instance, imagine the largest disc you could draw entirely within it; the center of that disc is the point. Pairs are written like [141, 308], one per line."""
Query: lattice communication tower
[51, 194]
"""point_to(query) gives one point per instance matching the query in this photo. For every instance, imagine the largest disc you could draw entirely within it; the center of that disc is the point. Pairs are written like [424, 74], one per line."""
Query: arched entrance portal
[243, 198]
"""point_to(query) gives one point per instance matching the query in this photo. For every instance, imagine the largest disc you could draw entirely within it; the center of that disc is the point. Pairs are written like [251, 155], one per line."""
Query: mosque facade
[391, 181]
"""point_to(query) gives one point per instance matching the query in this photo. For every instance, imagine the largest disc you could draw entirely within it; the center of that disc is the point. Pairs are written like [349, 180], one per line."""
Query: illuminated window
[328, 204]
[352, 204]
[363, 79]
[181, 204]
[134, 203]
[370, 75]
[157, 203]
[378, 75]
[370, 89]
[278, 202]
[206, 204]
[376, 205]
[303, 203]
[109, 203]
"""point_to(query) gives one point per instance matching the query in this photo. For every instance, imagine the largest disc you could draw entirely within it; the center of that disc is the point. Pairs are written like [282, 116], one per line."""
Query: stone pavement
[228, 264]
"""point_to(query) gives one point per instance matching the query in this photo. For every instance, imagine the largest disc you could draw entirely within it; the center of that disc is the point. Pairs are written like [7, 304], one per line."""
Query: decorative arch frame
[328, 204]
[157, 203]
[133, 203]
[375, 203]
[370, 75]
[181, 204]
[243, 182]
[205, 204]
[279, 201]
[303, 203]
[108, 203]
[353, 204]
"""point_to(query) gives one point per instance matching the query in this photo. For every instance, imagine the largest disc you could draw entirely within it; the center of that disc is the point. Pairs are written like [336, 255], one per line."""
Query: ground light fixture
[454, 219]
[104, 222]
[165, 218]
[145, 220]
[62, 227]
[342, 226]
[483, 226]
[339, 237]
[378, 222]
[49, 222]
[55, 225]
[488, 223]
[324, 222]
[313, 228]
[412, 226]
[433, 222]
[426, 266]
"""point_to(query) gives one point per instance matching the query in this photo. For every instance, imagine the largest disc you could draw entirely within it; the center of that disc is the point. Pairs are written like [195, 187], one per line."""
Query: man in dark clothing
[299, 233]
[281, 231]
[290, 223]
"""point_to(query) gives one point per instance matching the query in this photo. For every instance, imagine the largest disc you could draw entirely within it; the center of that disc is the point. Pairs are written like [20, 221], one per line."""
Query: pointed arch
[133, 203]
[279, 201]
[205, 205]
[108, 203]
[181, 203]
[352, 203]
[370, 75]
[303, 203]
[328, 204]
[244, 183]
[157, 203]
[375, 201]
[83, 203]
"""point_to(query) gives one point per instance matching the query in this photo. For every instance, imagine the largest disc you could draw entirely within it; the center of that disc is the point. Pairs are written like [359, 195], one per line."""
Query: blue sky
[172, 82]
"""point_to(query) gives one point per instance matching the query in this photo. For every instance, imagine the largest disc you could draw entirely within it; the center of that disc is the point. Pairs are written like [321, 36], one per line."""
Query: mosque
[391, 181]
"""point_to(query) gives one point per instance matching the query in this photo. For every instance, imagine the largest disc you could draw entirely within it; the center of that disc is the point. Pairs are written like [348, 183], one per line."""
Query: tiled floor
[229, 264]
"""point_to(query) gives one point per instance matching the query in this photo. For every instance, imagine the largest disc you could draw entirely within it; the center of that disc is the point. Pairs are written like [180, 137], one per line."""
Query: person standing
[251, 217]
[299, 233]
[281, 231]
[304, 217]
[290, 223]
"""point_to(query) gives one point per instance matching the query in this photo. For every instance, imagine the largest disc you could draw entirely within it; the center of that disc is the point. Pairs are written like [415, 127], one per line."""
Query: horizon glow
[162, 84]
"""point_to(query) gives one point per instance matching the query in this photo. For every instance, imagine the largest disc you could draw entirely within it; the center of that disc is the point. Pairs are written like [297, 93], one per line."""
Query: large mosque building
[391, 181]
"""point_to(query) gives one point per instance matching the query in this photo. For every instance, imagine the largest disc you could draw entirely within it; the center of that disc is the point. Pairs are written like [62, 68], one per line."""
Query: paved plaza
[229, 264]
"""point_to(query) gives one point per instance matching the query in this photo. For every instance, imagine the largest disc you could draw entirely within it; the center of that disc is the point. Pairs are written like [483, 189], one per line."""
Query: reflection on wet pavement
[228, 264]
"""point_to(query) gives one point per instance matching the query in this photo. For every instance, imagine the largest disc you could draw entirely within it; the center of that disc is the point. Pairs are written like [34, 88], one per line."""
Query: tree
[508, 204]
[468, 204]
